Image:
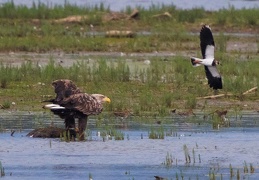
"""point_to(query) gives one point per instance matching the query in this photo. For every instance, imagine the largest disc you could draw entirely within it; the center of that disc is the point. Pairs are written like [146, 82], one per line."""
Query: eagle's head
[101, 98]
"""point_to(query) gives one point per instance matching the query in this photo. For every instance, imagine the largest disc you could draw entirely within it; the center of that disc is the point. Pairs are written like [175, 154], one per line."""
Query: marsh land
[146, 73]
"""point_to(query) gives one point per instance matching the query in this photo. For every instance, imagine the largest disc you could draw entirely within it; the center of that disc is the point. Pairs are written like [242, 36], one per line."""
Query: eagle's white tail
[53, 106]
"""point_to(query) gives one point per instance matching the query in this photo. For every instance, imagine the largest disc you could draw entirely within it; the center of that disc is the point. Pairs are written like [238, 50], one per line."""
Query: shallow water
[137, 156]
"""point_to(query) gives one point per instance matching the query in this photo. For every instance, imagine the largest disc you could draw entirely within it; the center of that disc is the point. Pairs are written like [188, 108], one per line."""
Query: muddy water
[140, 60]
[137, 156]
[67, 60]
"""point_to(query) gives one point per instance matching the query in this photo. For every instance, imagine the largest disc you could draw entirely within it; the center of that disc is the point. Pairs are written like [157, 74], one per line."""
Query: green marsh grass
[176, 176]
[90, 176]
[245, 168]
[232, 174]
[110, 132]
[65, 136]
[193, 155]
[252, 169]
[33, 29]
[238, 174]
[168, 160]
[186, 154]
[2, 172]
[3, 83]
[234, 16]
[156, 133]
[2, 129]
[191, 102]
[222, 42]
[212, 175]
[165, 84]
[42, 11]
[6, 105]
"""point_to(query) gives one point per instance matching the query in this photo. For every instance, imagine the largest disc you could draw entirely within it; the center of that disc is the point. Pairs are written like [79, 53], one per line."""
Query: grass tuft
[156, 133]
[2, 172]
[168, 160]
[186, 154]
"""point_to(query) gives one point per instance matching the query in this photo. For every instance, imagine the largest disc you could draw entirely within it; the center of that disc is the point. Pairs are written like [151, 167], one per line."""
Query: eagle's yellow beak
[106, 99]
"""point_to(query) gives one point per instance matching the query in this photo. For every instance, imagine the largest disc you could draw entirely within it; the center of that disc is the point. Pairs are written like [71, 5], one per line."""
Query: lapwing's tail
[192, 61]
[194, 64]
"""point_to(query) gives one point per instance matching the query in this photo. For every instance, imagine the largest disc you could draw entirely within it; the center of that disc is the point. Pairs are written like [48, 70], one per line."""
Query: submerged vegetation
[168, 160]
[212, 171]
[2, 172]
[156, 133]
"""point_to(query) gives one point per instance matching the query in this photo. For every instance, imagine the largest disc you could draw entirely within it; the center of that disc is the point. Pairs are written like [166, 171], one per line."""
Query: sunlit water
[137, 156]
[116, 5]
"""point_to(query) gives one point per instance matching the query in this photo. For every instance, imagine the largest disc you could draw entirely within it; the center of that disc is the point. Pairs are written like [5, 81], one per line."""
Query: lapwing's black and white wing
[207, 43]
[207, 49]
[213, 76]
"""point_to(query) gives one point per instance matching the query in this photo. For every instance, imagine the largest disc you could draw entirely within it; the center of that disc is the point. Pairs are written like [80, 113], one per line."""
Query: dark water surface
[116, 5]
[211, 151]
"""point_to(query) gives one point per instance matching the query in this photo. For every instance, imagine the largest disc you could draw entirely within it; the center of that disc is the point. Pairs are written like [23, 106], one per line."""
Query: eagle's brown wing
[64, 88]
[82, 102]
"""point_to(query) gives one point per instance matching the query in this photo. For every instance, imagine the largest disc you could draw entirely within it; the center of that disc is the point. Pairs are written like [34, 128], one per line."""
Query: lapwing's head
[216, 62]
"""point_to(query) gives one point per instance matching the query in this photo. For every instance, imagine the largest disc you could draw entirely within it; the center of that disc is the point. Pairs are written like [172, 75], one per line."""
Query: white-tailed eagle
[207, 50]
[71, 103]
